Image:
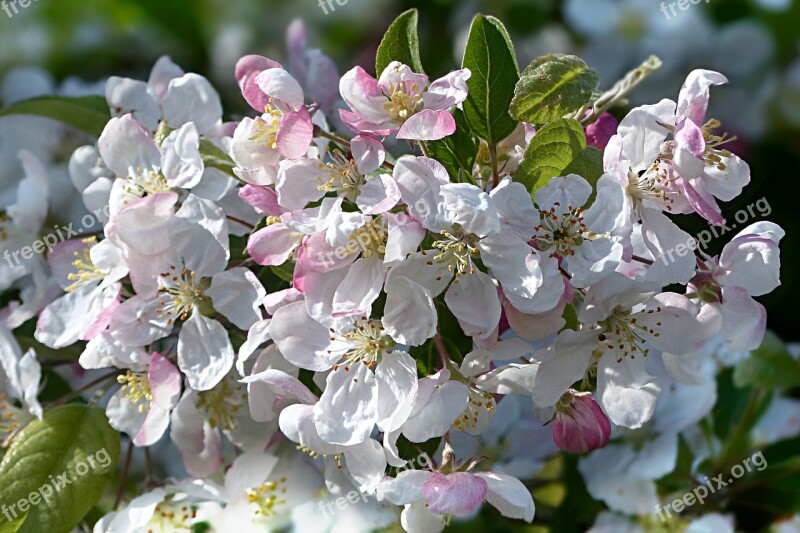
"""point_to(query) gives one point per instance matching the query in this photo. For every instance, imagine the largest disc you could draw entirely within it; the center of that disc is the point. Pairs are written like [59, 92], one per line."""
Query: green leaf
[490, 56]
[73, 441]
[551, 87]
[588, 164]
[88, 114]
[215, 157]
[769, 367]
[401, 43]
[458, 151]
[550, 152]
[14, 526]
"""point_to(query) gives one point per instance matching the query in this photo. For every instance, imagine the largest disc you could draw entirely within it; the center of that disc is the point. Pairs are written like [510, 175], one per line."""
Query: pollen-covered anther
[85, 270]
[368, 344]
[456, 252]
[222, 404]
[136, 390]
[343, 175]
[181, 293]
[623, 333]
[268, 497]
[170, 516]
[561, 233]
[402, 105]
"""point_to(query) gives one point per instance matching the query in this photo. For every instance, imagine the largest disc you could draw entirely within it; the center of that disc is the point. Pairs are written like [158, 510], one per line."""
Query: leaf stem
[495, 169]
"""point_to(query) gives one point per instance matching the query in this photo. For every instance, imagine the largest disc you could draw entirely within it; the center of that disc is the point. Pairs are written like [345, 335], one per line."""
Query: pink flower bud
[600, 132]
[580, 424]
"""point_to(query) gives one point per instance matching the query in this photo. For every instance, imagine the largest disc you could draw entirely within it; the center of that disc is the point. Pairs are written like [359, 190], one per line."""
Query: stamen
[136, 388]
[268, 497]
[222, 404]
[86, 273]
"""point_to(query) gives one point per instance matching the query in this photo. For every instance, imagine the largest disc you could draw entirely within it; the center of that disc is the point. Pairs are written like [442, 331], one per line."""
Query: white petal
[348, 409]
[205, 353]
[238, 295]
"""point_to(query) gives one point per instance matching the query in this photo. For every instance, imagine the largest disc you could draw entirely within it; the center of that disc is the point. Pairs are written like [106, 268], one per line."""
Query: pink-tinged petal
[704, 205]
[103, 319]
[319, 256]
[751, 262]
[154, 427]
[143, 225]
[281, 86]
[361, 92]
[744, 320]
[378, 195]
[368, 153]
[448, 91]
[428, 125]
[691, 136]
[263, 199]
[458, 494]
[295, 134]
[355, 123]
[302, 341]
[199, 443]
[283, 385]
[247, 69]
[164, 71]
[694, 95]
[128, 148]
[600, 132]
[580, 424]
[273, 245]
[165, 381]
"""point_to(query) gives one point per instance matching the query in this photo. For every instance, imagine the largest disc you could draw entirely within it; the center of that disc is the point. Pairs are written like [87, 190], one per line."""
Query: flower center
[457, 251]
[367, 343]
[403, 105]
[652, 184]
[143, 183]
[344, 177]
[267, 127]
[172, 518]
[562, 233]
[182, 293]
[86, 273]
[268, 497]
[370, 239]
[222, 404]
[478, 401]
[623, 333]
[136, 388]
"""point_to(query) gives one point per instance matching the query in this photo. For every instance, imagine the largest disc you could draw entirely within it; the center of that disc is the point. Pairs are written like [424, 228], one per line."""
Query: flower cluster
[305, 300]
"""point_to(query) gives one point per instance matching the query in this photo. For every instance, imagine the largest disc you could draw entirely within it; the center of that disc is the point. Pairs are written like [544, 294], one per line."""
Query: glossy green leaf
[550, 152]
[401, 43]
[552, 87]
[490, 57]
[215, 157]
[57, 468]
[88, 114]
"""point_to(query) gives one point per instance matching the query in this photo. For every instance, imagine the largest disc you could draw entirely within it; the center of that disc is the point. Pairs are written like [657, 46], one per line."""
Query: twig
[125, 468]
[77, 393]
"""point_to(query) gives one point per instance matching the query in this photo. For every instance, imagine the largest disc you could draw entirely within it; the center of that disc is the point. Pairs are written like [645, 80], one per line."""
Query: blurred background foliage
[755, 42]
